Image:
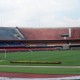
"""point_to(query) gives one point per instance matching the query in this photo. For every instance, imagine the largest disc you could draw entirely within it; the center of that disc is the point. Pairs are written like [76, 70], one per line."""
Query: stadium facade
[25, 39]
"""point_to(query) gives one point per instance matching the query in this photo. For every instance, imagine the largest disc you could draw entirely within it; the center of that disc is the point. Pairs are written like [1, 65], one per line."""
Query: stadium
[49, 51]
[13, 39]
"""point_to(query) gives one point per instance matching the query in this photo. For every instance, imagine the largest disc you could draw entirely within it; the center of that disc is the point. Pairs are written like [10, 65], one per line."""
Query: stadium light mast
[69, 32]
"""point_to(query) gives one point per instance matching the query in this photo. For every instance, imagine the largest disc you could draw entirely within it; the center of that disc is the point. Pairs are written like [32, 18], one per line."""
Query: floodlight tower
[69, 32]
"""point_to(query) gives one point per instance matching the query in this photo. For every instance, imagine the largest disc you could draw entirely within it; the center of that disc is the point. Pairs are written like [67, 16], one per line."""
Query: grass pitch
[67, 58]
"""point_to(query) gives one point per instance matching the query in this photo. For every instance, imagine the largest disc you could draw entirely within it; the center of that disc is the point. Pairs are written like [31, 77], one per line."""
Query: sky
[40, 13]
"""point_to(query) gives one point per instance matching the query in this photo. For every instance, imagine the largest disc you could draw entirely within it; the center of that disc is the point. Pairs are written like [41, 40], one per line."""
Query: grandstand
[26, 39]
[10, 33]
[59, 38]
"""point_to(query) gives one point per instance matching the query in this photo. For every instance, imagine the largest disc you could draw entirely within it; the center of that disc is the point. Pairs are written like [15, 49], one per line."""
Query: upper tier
[10, 33]
[50, 34]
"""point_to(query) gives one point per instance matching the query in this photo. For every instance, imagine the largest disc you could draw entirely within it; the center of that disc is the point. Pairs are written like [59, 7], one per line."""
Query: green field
[67, 58]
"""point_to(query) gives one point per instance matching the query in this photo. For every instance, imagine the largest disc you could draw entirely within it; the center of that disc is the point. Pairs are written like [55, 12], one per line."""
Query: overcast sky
[40, 13]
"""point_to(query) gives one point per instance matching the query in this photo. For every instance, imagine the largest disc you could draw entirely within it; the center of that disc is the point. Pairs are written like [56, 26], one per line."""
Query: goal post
[4, 51]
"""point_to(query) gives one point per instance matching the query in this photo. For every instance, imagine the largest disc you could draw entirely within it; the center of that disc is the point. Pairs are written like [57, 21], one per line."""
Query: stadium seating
[26, 39]
[8, 33]
[43, 34]
[11, 44]
[10, 49]
[75, 33]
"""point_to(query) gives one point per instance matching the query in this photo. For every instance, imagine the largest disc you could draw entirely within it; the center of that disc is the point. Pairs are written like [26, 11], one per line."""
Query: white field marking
[40, 66]
[61, 78]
